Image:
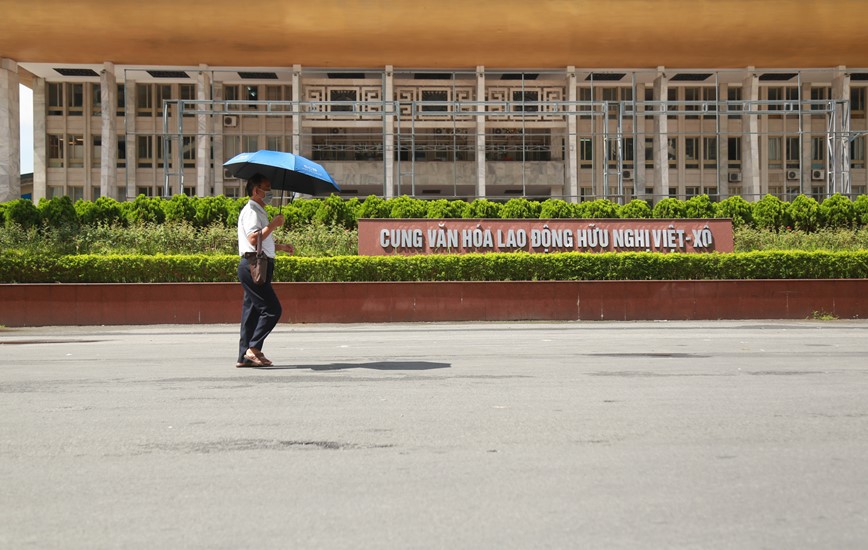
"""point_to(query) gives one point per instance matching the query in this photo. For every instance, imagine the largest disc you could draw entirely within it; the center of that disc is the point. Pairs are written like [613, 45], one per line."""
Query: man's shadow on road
[376, 365]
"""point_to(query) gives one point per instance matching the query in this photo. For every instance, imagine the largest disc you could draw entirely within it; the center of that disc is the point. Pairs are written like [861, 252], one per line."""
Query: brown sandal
[257, 358]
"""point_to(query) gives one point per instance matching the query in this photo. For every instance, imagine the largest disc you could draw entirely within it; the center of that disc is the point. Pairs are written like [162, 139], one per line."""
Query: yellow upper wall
[439, 33]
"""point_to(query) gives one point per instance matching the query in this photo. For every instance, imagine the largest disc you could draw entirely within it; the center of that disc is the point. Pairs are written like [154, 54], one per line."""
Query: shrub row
[803, 212]
[21, 268]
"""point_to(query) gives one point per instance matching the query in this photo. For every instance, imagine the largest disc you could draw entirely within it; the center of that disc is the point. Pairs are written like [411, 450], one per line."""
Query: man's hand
[277, 221]
[288, 248]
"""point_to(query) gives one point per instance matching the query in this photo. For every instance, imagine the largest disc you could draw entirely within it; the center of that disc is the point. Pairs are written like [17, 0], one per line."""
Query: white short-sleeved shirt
[251, 218]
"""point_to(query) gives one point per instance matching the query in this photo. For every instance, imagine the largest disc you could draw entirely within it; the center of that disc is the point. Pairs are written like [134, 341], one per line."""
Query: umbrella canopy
[285, 171]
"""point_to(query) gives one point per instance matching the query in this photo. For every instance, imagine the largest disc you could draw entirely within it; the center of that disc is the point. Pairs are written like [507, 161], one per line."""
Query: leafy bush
[557, 208]
[747, 239]
[600, 208]
[699, 206]
[407, 207]
[669, 208]
[483, 208]
[20, 268]
[58, 212]
[144, 210]
[635, 209]
[211, 210]
[519, 208]
[768, 213]
[373, 207]
[180, 208]
[735, 208]
[102, 211]
[336, 211]
[442, 208]
[803, 213]
[860, 209]
[837, 211]
[306, 208]
[23, 213]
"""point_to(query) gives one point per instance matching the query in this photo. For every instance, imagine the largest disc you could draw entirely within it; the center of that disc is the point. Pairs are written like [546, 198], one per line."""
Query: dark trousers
[260, 310]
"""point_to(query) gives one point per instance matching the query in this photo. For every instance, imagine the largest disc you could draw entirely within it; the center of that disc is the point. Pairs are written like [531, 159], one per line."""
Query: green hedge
[19, 268]
[769, 212]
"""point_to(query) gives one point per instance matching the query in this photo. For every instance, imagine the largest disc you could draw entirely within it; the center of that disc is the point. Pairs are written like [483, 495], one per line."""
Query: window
[55, 99]
[187, 92]
[442, 96]
[250, 93]
[95, 100]
[733, 147]
[164, 93]
[692, 95]
[146, 191]
[818, 152]
[857, 102]
[122, 100]
[275, 143]
[626, 152]
[649, 150]
[122, 152]
[96, 152]
[672, 152]
[671, 97]
[734, 94]
[342, 95]
[188, 151]
[232, 93]
[709, 153]
[75, 107]
[144, 151]
[250, 143]
[586, 153]
[691, 153]
[54, 191]
[857, 153]
[774, 145]
[76, 193]
[525, 97]
[819, 94]
[691, 191]
[774, 94]
[164, 151]
[793, 152]
[144, 100]
[76, 151]
[95, 192]
[55, 151]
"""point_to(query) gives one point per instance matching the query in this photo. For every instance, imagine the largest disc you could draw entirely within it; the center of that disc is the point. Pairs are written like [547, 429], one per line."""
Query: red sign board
[379, 237]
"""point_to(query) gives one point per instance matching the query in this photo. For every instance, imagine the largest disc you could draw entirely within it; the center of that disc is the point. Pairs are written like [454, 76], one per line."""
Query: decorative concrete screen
[379, 237]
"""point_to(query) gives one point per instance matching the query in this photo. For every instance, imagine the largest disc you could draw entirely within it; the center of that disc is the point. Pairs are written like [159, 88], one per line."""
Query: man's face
[263, 187]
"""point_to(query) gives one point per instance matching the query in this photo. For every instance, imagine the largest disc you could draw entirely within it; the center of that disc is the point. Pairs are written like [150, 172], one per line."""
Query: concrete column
[296, 107]
[10, 132]
[389, 133]
[40, 140]
[480, 132]
[723, 143]
[130, 132]
[639, 162]
[204, 125]
[805, 122]
[661, 138]
[750, 158]
[108, 170]
[840, 163]
[217, 142]
[572, 167]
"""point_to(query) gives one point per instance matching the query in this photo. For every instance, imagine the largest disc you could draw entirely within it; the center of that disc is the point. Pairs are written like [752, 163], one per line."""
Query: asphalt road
[473, 435]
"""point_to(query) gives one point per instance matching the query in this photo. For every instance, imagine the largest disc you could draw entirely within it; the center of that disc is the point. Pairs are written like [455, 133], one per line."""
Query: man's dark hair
[253, 182]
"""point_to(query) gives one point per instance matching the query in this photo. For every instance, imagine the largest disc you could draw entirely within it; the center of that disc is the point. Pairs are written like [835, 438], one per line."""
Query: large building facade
[443, 129]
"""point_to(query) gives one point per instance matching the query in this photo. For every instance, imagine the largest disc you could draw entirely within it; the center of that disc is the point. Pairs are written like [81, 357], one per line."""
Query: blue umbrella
[285, 171]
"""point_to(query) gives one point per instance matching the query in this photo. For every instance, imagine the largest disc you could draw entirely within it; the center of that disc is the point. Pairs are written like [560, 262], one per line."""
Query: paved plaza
[736, 434]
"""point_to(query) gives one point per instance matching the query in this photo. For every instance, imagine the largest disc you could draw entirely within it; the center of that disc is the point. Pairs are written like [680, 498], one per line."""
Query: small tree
[600, 208]
[58, 212]
[735, 208]
[372, 207]
[557, 208]
[407, 207]
[337, 212]
[860, 209]
[22, 212]
[483, 208]
[442, 208]
[837, 211]
[635, 209]
[518, 208]
[803, 213]
[669, 207]
[699, 206]
[768, 213]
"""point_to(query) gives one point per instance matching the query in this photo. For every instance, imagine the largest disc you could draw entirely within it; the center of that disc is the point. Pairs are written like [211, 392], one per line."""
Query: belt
[252, 256]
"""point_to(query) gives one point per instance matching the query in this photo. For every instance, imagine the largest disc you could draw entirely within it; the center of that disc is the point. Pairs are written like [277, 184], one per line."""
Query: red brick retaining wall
[195, 303]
